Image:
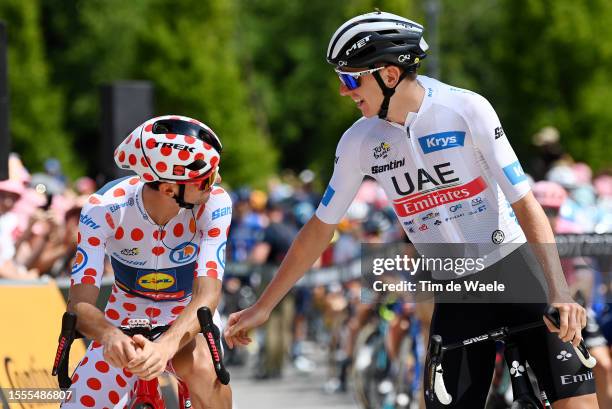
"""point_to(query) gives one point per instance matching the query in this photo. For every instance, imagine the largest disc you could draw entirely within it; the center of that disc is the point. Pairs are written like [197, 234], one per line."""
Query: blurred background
[77, 75]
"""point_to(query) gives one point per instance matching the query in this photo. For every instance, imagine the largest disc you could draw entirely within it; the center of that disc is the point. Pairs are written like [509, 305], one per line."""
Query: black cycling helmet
[374, 38]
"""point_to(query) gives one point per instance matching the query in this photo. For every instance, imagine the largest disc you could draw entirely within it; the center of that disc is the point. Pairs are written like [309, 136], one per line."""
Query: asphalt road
[295, 390]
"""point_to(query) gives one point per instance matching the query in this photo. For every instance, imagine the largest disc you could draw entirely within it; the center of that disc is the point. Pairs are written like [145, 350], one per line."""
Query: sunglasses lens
[209, 181]
[349, 81]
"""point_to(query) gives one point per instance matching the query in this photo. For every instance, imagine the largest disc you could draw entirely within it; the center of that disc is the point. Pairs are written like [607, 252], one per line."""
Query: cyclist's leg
[193, 365]
[559, 371]
[467, 371]
[97, 384]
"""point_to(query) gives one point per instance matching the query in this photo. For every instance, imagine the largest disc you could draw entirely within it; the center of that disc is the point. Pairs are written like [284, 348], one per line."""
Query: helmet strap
[387, 92]
[180, 199]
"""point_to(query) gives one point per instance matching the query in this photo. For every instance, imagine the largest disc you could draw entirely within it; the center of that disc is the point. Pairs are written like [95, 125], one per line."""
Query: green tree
[193, 59]
[36, 106]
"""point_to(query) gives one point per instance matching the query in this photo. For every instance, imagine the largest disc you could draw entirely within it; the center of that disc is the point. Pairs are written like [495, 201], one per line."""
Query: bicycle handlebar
[69, 333]
[434, 378]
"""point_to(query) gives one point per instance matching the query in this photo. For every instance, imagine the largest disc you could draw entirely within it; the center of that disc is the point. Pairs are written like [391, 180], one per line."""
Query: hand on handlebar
[240, 323]
[151, 358]
[119, 349]
[573, 318]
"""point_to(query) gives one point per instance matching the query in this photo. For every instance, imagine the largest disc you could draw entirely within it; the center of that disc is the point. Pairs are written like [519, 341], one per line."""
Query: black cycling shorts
[468, 371]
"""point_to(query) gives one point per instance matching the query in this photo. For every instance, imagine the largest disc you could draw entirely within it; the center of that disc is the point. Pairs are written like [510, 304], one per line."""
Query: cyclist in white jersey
[442, 157]
[164, 232]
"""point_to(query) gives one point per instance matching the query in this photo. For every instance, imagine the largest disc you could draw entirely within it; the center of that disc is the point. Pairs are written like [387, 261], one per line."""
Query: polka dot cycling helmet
[170, 148]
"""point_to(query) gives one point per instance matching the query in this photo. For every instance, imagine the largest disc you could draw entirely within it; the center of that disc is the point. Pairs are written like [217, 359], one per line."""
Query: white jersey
[449, 171]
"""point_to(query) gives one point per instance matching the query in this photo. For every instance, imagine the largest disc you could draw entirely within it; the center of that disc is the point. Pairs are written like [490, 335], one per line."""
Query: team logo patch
[221, 254]
[80, 260]
[327, 196]
[130, 252]
[184, 253]
[156, 281]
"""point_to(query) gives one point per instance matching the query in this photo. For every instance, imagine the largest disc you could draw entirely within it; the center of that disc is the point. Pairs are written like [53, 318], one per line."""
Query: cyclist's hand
[119, 349]
[240, 323]
[573, 319]
[151, 359]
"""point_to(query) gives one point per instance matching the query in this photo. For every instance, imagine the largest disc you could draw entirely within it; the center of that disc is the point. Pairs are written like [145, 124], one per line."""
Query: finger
[583, 318]
[234, 318]
[140, 340]
[551, 327]
[563, 318]
[130, 352]
[228, 340]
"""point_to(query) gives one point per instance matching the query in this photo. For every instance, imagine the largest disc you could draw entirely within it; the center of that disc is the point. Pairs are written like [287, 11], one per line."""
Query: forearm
[306, 248]
[91, 322]
[187, 326]
[539, 234]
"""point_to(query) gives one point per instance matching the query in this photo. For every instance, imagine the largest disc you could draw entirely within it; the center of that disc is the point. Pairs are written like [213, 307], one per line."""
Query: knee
[201, 375]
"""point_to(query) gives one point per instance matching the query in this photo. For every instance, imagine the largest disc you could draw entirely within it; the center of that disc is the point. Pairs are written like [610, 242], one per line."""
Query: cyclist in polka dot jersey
[165, 232]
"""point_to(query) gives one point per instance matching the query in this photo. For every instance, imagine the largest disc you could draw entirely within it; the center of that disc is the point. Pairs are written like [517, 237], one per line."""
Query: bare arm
[206, 292]
[539, 234]
[91, 322]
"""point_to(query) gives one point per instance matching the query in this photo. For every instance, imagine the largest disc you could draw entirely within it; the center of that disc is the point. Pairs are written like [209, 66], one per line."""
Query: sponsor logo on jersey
[499, 132]
[456, 216]
[423, 178]
[514, 172]
[328, 195]
[498, 237]
[221, 254]
[439, 141]
[184, 253]
[126, 261]
[358, 44]
[88, 221]
[80, 260]
[389, 166]
[224, 211]
[157, 281]
[382, 150]
[411, 229]
[581, 377]
[481, 208]
[409, 222]
[564, 356]
[456, 207]
[423, 227]
[430, 216]
[177, 146]
[130, 252]
[476, 201]
[114, 207]
[437, 223]
[421, 202]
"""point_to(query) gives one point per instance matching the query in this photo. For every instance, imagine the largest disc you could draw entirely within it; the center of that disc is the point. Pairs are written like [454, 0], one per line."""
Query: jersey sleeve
[345, 181]
[491, 140]
[214, 223]
[94, 229]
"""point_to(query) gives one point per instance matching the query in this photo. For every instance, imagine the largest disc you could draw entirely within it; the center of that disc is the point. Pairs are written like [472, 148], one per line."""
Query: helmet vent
[196, 165]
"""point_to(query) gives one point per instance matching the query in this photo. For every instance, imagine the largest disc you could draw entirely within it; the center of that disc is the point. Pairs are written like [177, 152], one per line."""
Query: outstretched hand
[240, 323]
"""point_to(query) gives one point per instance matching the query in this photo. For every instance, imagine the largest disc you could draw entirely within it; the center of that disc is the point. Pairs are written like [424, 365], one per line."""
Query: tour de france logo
[80, 260]
[184, 253]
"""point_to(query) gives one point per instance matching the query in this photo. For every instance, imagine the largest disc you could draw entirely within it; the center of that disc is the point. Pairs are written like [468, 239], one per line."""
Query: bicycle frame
[434, 377]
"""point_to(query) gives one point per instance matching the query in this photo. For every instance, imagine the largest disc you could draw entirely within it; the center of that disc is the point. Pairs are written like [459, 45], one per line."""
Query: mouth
[359, 102]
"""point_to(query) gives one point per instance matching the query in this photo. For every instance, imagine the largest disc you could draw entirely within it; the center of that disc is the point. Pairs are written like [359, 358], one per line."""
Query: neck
[408, 98]
[158, 206]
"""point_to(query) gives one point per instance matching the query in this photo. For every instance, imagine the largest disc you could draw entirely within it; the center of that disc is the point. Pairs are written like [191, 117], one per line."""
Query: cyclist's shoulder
[219, 197]
[460, 100]
[361, 130]
[114, 195]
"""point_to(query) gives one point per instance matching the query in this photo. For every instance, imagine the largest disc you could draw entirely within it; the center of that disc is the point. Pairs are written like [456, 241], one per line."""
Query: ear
[391, 75]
